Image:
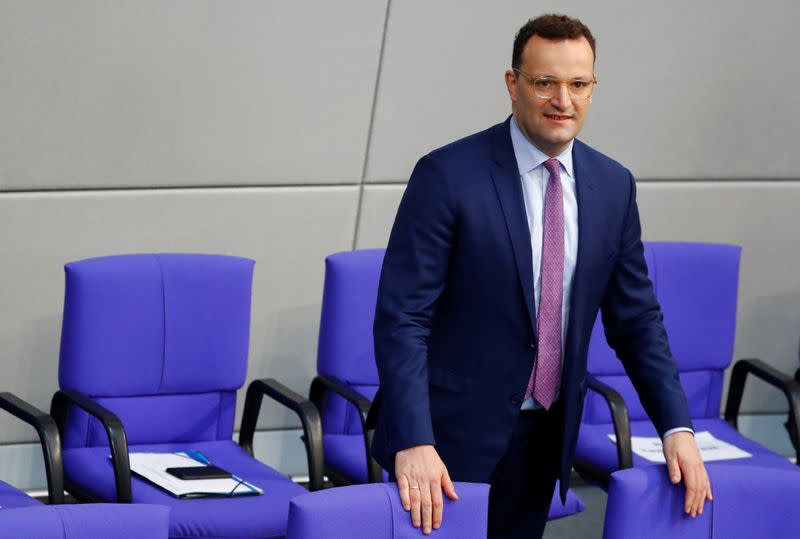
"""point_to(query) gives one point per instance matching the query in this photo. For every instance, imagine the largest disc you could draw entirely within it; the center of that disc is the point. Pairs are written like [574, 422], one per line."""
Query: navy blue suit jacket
[455, 323]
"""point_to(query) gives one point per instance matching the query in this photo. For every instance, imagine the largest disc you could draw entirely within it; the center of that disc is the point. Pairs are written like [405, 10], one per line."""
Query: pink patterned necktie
[546, 375]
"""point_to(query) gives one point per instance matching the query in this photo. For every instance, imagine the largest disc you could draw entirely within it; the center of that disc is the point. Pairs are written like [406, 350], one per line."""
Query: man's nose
[562, 99]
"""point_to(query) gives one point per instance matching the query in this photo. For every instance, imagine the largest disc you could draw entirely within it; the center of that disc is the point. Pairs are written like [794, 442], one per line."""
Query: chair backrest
[696, 285]
[161, 340]
[374, 511]
[643, 503]
[345, 349]
[749, 501]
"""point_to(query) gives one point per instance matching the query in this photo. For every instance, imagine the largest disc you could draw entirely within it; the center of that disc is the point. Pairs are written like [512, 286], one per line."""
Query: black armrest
[323, 384]
[619, 415]
[774, 377]
[47, 430]
[309, 416]
[118, 443]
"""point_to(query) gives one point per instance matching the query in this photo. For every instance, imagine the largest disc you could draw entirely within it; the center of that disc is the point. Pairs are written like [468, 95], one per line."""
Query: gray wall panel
[760, 216]
[152, 93]
[378, 208]
[686, 89]
[288, 231]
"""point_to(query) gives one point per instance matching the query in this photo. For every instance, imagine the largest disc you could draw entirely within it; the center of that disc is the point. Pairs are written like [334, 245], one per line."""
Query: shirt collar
[529, 156]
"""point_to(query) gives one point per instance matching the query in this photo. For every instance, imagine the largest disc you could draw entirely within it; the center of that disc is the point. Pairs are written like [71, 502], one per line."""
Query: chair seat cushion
[11, 497]
[249, 516]
[345, 454]
[95, 521]
[597, 451]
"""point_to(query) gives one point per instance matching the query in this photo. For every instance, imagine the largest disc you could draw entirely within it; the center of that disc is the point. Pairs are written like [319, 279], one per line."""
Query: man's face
[551, 123]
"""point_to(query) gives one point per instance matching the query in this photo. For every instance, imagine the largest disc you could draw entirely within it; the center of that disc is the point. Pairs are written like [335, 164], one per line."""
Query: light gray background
[285, 131]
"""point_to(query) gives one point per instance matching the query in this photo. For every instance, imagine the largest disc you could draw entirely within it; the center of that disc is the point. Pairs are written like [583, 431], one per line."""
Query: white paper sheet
[710, 448]
[152, 466]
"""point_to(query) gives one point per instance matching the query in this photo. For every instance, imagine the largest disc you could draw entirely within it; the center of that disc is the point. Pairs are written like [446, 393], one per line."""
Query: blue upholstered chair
[696, 285]
[374, 511]
[749, 501]
[348, 377]
[91, 521]
[153, 350]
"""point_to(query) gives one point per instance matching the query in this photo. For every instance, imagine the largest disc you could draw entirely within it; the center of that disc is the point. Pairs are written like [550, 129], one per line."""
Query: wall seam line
[371, 126]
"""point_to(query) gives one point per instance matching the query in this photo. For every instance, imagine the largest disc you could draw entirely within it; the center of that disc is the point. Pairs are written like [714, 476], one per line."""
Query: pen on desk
[198, 456]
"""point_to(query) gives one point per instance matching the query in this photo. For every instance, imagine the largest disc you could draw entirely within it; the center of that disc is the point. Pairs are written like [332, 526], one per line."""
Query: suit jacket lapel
[505, 175]
[588, 228]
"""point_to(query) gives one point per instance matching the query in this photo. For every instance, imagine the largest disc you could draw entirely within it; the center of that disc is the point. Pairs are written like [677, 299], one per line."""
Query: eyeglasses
[547, 87]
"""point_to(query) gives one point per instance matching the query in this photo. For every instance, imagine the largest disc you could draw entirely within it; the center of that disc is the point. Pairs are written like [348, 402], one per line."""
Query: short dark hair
[550, 26]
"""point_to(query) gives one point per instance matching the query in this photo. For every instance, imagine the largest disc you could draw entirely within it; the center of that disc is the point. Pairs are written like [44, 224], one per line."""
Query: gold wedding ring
[414, 487]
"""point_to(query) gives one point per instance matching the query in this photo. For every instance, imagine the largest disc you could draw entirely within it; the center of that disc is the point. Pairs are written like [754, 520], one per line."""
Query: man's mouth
[558, 117]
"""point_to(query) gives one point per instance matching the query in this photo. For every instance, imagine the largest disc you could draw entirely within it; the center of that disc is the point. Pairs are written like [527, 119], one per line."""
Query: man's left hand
[684, 461]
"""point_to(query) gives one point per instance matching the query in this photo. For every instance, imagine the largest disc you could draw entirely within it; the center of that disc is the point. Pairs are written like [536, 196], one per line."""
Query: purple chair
[153, 350]
[696, 285]
[749, 501]
[348, 376]
[91, 521]
[374, 511]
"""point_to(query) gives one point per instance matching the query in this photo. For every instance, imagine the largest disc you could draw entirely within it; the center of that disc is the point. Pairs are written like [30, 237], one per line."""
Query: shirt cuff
[677, 429]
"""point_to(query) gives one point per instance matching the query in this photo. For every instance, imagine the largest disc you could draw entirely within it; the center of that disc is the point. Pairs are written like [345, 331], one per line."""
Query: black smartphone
[187, 473]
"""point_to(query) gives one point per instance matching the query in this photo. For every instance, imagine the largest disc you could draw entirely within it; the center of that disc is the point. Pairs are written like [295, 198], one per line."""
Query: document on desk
[711, 448]
[153, 466]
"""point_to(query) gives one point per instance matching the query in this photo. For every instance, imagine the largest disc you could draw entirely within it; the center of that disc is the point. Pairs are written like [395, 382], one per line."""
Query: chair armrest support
[117, 441]
[304, 408]
[619, 415]
[49, 438]
[323, 384]
[774, 377]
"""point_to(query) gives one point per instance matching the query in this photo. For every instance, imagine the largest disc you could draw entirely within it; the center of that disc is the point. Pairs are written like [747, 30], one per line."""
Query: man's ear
[511, 84]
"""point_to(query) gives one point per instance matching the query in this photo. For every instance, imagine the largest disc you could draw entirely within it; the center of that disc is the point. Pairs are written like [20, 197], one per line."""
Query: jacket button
[533, 345]
[516, 400]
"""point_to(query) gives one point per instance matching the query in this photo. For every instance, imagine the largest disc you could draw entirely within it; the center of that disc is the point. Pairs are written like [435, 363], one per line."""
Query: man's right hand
[421, 477]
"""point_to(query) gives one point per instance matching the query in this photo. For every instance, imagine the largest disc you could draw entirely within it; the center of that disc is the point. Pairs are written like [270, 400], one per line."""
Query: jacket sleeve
[412, 279]
[634, 329]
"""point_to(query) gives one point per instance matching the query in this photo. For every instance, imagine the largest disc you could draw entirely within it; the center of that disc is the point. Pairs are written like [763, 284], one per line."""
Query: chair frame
[49, 439]
[304, 408]
[775, 378]
[322, 385]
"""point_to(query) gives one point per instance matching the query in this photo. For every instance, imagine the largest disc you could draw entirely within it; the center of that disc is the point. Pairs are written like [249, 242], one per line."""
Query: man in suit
[505, 246]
